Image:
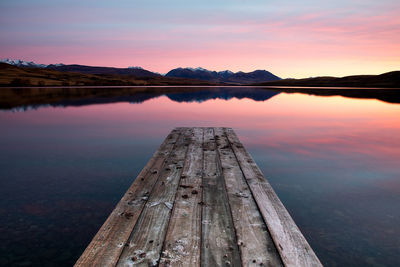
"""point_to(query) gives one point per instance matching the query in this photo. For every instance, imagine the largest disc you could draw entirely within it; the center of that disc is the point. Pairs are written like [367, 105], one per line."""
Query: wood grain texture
[290, 242]
[107, 245]
[182, 242]
[219, 244]
[200, 201]
[256, 245]
[143, 247]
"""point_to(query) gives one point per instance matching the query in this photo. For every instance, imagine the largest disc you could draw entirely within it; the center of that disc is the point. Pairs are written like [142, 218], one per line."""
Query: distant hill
[14, 76]
[22, 63]
[138, 72]
[31, 73]
[135, 71]
[385, 80]
[221, 77]
[226, 76]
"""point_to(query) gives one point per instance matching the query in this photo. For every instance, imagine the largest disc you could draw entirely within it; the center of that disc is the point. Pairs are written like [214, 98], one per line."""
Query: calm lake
[333, 161]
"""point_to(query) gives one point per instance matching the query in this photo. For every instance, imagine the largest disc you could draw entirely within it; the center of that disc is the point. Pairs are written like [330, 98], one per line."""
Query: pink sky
[290, 39]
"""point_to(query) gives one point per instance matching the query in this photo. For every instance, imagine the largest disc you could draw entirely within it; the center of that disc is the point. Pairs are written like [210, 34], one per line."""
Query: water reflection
[332, 160]
[22, 99]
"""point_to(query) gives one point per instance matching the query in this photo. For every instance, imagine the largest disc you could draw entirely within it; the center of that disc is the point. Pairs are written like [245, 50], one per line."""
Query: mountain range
[27, 73]
[22, 63]
[221, 77]
[226, 76]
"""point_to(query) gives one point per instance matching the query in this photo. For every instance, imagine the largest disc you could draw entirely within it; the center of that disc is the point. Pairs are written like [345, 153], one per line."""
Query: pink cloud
[291, 45]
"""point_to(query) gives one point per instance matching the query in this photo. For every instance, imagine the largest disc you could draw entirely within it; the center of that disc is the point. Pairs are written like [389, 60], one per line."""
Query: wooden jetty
[200, 201]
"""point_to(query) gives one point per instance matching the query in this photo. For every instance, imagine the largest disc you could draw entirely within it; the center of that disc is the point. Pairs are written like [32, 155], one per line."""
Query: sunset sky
[289, 38]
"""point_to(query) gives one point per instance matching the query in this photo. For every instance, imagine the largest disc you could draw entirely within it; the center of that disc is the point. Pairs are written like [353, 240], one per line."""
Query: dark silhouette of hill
[252, 77]
[385, 80]
[34, 76]
[226, 77]
[138, 72]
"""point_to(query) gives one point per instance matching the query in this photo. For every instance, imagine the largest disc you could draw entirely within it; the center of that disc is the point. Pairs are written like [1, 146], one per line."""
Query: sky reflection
[333, 162]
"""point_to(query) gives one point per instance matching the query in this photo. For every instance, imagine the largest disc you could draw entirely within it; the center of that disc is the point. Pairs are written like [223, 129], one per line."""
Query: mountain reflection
[225, 93]
[36, 97]
[33, 98]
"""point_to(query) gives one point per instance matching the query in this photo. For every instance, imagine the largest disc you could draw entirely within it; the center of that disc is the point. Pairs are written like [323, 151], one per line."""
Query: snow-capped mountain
[22, 63]
[196, 69]
[225, 73]
[225, 76]
[134, 70]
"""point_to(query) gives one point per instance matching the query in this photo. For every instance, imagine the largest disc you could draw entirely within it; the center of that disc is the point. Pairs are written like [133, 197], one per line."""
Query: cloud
[277, 35]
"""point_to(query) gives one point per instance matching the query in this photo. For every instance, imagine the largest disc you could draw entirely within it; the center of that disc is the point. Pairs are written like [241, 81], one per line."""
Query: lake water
[333, 161]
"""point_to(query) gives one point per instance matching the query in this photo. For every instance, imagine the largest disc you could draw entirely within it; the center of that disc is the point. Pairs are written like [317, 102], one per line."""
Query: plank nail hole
[185, 196]
[194, 192]
[128, 215]
[186, 186]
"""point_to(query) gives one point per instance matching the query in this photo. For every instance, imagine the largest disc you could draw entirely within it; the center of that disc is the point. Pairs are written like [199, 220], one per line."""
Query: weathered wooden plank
[290, 242]
[107, 245]
[219, 244]
[143, 247]
[182, 242]
[216, 221]
[256, 245]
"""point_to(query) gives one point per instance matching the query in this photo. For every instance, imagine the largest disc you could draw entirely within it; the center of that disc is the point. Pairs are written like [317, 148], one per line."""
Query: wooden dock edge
[108, 244]
[290, 242]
